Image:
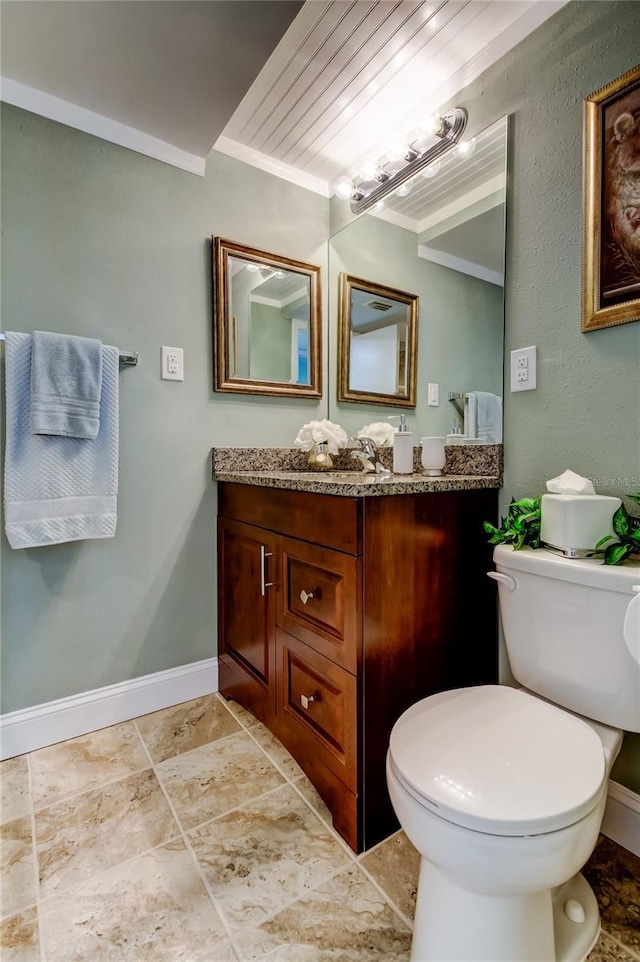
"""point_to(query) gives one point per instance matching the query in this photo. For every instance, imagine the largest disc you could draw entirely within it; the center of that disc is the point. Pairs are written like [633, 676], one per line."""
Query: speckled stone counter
[474, 466]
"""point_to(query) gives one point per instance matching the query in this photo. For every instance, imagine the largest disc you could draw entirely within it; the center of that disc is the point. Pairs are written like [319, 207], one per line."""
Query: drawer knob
[305, 596]
[306, 701]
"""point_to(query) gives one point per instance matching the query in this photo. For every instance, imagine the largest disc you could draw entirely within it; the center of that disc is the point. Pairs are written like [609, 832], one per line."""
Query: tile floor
[191, 835]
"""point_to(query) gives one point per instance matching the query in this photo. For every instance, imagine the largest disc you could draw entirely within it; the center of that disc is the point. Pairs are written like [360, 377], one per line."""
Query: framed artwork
[611, 247]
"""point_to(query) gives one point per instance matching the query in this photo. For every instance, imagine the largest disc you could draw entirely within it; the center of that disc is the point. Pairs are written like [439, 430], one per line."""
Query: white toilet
[503, 792]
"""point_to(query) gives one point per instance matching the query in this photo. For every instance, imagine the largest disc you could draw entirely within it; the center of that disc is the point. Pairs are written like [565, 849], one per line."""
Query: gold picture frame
[362, 310]
[260, 355]
[611, 230]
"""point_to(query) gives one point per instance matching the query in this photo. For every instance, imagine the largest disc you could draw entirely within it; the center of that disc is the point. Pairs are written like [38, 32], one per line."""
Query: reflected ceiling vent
[379, 306]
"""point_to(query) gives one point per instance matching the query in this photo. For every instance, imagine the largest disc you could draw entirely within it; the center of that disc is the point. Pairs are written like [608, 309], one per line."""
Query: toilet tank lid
[584, 571]
[498, 760]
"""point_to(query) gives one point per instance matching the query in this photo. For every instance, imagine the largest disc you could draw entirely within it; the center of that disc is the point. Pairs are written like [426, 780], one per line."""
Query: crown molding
[248, 155]
[460, 264]
[64, 112]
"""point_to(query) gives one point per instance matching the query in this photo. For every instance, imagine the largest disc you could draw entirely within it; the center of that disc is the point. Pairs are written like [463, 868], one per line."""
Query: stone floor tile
[17, 866]
[92, 832]
[614, 875]
[264, 855]
[214, 779]
[14, 788]
[84, 763]
[343, 919]
[395, 865]
[153, 908]
[19, 939]
[182, 728]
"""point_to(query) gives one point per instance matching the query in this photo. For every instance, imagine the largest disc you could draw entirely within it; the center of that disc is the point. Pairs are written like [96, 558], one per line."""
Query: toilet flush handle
[506, 580]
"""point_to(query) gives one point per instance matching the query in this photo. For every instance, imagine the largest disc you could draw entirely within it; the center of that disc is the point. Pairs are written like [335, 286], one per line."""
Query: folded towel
[66, 381]
[470, 415]
[489, 417]
[57, 488]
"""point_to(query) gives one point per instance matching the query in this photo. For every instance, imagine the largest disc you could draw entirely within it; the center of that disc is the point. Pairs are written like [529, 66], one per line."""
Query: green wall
[585, 414]
[104, 242]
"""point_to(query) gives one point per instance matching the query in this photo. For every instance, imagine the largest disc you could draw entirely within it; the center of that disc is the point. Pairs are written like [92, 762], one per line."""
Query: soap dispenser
[402, 447]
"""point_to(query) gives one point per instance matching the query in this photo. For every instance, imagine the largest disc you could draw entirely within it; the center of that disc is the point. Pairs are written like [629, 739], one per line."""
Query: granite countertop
[356, 484]
[472, 468]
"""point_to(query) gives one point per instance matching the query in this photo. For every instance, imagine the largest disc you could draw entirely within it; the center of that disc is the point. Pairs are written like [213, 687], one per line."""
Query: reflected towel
[470, 415]
[489, 417]
[66, 381]
[58, 489]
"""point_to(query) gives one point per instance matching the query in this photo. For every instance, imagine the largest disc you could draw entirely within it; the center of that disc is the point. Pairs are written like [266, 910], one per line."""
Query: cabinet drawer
[316, 706]
[319, 600]
[318, 518]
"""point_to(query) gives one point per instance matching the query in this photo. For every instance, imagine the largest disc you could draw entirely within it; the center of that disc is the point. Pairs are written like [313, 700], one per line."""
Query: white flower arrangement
[321, 432]
[380, 432]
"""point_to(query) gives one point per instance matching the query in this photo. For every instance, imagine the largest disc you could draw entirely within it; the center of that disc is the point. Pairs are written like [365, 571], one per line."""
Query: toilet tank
[572, 631]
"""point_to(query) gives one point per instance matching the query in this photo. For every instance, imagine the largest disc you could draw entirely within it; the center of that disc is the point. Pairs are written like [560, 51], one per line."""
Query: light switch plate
[433, 395]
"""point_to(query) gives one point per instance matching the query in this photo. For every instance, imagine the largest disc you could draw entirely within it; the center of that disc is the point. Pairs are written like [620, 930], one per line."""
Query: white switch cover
[172, 366]
[524, 369]
[433, 395]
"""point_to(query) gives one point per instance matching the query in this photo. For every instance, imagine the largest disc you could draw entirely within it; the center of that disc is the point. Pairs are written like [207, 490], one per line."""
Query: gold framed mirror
[377, 343]
[267, 323]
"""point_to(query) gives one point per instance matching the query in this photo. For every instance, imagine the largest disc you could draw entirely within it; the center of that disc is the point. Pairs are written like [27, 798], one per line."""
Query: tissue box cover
[576, 522]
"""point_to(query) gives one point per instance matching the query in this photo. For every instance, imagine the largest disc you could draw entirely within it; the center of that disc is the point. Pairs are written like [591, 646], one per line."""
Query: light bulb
[404, 189]
[369, 169]
[433, 123]
[431, 170]
[343, 187]
[467, 147]
[252, 268]
[379, 205]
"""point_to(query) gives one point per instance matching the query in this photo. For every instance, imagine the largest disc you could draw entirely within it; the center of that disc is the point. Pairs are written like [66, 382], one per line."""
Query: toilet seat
[498, 760]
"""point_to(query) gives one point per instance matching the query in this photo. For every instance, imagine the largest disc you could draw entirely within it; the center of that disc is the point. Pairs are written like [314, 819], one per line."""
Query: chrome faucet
[368, 456]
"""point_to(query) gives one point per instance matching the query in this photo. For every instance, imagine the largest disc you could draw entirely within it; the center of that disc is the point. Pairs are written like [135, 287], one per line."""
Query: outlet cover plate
[524, 374]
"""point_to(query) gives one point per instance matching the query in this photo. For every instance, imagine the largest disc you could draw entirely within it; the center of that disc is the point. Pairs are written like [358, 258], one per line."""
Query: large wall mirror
[377, 333]
[267, 323]
[444, 242]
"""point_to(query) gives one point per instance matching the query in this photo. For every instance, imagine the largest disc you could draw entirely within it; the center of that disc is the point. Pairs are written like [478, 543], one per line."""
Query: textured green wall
[585, 414]
[101, 241]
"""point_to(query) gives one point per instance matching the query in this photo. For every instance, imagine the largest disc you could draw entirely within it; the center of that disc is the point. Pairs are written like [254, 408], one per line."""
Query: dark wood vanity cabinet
[337, 613]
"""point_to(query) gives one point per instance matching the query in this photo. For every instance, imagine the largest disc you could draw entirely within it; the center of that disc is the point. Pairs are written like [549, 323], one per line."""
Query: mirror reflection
[267, 320]
[377, 330]
[444, 242]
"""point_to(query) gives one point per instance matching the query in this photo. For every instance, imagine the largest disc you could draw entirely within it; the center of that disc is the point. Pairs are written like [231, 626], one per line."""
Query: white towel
[489, 417]
[66, 383]
[470, 415]
[58, 489]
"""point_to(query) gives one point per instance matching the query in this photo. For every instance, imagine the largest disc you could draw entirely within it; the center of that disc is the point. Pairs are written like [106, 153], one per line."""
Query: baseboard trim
[55, 721]
[621, 821]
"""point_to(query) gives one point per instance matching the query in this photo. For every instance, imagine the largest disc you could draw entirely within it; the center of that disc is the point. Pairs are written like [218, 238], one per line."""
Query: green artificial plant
[520, 527]
[627, 530]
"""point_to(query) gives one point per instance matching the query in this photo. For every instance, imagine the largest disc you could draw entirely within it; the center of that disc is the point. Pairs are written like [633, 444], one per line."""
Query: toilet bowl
[502, 790]
[503, 795]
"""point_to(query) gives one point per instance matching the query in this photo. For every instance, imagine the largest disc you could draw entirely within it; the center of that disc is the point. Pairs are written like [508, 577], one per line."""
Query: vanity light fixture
[381, 178]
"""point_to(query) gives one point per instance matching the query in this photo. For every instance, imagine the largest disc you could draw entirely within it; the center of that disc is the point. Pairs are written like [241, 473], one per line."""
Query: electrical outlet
[433, 395]
[172, 364]
[524, 369]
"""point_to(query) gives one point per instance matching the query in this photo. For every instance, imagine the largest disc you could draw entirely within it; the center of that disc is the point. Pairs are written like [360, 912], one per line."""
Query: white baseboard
[31, 728]
[622, 817]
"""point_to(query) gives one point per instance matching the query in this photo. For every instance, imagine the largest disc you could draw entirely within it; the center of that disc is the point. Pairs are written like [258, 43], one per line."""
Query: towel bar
[455, 399]
[126, 357]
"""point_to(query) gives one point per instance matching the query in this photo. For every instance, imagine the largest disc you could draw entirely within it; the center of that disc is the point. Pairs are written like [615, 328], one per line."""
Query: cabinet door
[246, 563]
